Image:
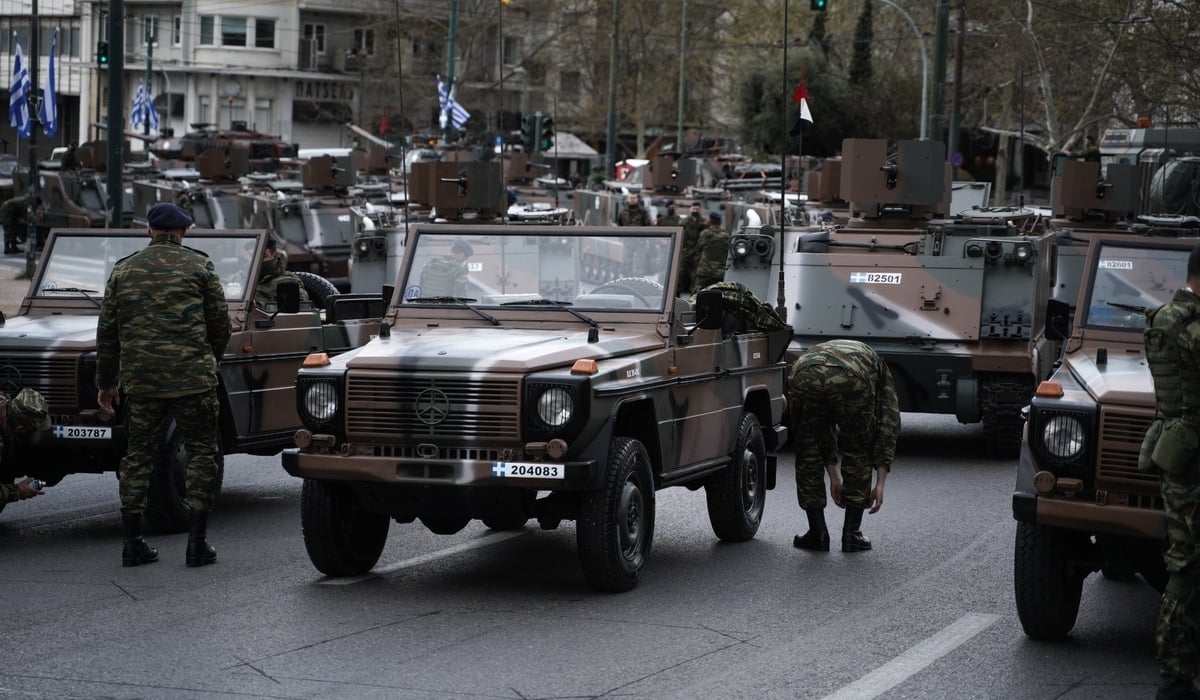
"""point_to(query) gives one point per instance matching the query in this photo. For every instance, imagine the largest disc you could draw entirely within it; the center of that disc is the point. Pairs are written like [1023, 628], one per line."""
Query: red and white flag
[800, 97]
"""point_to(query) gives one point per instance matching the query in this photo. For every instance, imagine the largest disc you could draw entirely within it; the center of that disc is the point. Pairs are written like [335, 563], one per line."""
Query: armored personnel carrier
[1080, 502]
[955, 306]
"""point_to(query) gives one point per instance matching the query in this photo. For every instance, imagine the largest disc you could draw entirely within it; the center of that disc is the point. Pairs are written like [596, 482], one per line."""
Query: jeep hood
[495, 349]
[1121, 380]
[43, 332]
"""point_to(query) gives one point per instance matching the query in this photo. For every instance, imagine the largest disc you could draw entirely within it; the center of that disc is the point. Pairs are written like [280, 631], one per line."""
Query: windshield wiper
[75, 290]
[1128, 307]
[461, 301]
[564, 305]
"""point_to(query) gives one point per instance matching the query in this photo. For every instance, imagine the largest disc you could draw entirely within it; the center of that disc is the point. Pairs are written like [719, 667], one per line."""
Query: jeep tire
[342, 537]
[736, 495]
[166, 499]
[318, 288]
[615, 527]
[1047, 586]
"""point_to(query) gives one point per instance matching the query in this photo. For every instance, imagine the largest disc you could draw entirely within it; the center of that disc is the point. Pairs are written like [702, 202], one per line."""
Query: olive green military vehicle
[1081, 504]
[955, 306]
[530, 394]
[50, 346]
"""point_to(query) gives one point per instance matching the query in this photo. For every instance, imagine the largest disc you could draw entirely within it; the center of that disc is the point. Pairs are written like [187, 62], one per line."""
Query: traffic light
[818, 5]
[546, 134]
[102, 54]
[529, 132]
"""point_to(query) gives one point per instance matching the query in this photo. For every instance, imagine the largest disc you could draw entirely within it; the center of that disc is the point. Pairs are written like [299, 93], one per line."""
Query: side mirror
[1058, 320]
[287, 297]
[387, 292]
[710, 309]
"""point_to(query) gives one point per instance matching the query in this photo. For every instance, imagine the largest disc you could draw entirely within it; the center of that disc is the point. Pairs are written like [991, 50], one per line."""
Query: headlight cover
[555, 407]
[1064, 436]
[321, 401]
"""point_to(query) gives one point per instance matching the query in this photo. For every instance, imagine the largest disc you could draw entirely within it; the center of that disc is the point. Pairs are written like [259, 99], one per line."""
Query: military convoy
[538, 396]
[1081, 503]
[50, 346]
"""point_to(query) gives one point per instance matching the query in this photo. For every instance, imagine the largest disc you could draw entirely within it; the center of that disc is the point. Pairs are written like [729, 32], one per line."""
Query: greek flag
[18, 101]
[49, 108]
[452, 111]
[143, 108]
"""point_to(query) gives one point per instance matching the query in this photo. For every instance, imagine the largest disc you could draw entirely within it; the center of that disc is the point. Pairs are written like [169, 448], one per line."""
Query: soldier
[22, 414]
[670, 218]
[842, 399]
[712, 249]
[163, 327]
[446, 275]
[271, 272]
[692, 227]
[742, 304]
[1172, 340]
[14, 217]
[634, 214]
[70, 159]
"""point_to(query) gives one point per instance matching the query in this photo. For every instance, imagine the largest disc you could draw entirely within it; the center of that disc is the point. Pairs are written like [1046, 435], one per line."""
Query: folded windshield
[1129, 281]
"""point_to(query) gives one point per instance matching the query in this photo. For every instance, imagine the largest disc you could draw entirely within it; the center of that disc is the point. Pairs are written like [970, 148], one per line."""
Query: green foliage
[864, 39]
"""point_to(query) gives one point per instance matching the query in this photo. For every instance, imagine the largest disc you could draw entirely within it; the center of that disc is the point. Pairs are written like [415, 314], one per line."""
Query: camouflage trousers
[832, 411]
[1177, 634]
[146, 419]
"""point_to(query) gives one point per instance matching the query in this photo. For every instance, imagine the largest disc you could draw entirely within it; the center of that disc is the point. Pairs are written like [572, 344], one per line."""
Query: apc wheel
[443, 524]
[318, 288]
[341, 537]
[616, 523]
[1047, 587]
[166, 499]
[737, 494]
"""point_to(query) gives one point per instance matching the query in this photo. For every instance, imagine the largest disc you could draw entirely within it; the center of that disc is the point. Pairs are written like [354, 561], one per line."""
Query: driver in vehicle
[272, 271]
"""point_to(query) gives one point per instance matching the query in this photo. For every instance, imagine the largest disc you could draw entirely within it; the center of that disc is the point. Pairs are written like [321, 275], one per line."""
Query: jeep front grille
[1120, 442]
[414, 406]
[53, 377]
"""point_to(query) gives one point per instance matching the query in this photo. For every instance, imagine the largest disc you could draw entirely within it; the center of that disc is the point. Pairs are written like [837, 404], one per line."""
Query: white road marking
[485, 541]
[896, 671]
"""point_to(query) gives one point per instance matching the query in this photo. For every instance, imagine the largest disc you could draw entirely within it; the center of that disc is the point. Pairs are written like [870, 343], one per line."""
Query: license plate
[527, 470]
[82, 432]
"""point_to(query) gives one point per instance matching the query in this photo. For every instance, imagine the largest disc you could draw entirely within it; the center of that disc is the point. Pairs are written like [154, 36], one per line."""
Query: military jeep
[1081, 504]
[50, 346]
[539, 395]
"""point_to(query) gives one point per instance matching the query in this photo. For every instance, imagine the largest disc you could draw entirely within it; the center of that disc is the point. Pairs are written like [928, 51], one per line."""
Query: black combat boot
[852, 537]
[817, 537]
[134, 550]
[1171, 688]
[199, 552]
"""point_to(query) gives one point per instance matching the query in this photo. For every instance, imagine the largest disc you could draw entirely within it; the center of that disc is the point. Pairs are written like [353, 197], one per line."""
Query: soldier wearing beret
[712, 249]
[162, 331]
[692, 226]
[670, 218]
[273, 270]
[20, 415]
[446, 275]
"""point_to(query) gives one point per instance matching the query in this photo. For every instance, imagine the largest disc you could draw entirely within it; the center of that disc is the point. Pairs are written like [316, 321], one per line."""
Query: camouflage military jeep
[1080, 502]
[51, 346]
[537, 395]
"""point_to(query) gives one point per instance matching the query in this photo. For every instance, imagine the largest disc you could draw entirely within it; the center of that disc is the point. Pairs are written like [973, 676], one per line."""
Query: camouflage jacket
[444, 276]
[859, 359]
[268, 281]
[1172, 339]
[634, 215]
[164, 322]
[743, 304]
[669, 220]
[692, 226]
[712, 249]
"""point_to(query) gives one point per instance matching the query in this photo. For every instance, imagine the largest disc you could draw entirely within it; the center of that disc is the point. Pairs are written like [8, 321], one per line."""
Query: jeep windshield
[538, 270]
[78, 264]
[1128, 281]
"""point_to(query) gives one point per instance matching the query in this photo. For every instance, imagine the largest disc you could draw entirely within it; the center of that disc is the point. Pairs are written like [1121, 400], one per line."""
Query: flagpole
[780, 301]
[31, 234]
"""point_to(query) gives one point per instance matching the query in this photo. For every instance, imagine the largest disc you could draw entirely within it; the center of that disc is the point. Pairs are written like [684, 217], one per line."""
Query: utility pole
[682, 77]
[116, 113]
[939, 67]
[610, 134]
[31, 232]
[955, 105]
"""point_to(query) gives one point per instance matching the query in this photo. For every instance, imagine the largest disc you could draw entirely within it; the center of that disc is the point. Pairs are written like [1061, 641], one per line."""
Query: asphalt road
[928, 613]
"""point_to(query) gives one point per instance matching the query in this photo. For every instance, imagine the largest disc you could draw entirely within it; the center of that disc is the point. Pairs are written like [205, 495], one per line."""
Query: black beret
[463, 247]
[272, 242]
[165, 216]
[714, 216]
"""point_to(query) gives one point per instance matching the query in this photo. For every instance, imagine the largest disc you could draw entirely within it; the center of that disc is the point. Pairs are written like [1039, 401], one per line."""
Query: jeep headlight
[555, 407]
[1064, 436]
[320, 401]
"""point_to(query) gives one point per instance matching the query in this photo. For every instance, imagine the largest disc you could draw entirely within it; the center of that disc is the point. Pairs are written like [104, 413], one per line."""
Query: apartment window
[364, 41]
[316, 34]
[177, 30]
[264, 33]
[207, 23]
[149, 29]
[233, 31]
[262, 115]
[513, 50]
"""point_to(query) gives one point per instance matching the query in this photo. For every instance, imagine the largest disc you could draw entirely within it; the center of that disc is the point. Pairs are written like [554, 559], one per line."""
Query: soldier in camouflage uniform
[741, 303]
[14, 217]
[670, 218]
[634, 214]
[692, 226]
[1172, 340]
[22, 414]
[163, 328]
[271, 272]
[446, 275]
[712, 250]
[842, 400]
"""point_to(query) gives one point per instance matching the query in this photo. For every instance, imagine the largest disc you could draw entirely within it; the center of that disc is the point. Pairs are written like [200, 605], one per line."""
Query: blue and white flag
[18, 101]
[49, 109]
[143, 108]
[452, 112]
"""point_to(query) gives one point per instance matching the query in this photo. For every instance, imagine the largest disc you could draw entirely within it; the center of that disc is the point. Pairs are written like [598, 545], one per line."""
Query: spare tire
[649, 291]
[319, 289]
